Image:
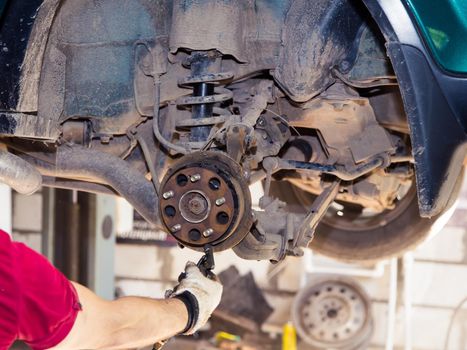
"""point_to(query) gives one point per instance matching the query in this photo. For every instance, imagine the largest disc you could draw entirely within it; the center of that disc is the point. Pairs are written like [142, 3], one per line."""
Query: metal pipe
[18, 174]
[72, 238]
[408, 262]
[392, 304]
[340, 172]
[104, 168]
[336, 170]
[82, 186]
[277, 164]
[155, 123]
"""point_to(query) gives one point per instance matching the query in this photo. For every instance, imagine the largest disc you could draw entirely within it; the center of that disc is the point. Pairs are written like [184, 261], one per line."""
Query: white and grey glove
[200, 294]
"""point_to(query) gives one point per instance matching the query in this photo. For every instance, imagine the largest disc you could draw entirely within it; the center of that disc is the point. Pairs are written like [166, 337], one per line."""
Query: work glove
[200, 294]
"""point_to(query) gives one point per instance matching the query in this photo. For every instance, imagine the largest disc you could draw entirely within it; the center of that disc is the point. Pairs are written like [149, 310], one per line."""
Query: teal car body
[2, 5]
[443, 25]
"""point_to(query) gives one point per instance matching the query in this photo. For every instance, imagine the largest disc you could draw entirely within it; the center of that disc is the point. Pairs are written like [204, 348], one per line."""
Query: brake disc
[204, 199]
[333, 313]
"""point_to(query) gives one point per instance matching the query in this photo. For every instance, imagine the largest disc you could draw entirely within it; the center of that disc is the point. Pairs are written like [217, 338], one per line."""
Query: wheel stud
[220, 201]
[176, 228]
[208, 232]
[195, 178]
[168, 194]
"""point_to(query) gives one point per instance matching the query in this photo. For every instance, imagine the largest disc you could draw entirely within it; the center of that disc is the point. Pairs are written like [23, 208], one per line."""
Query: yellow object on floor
[289, 337]
[220, 336]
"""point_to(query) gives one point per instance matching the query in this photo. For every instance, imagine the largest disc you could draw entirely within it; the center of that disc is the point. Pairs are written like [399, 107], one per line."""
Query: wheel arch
[433, 102]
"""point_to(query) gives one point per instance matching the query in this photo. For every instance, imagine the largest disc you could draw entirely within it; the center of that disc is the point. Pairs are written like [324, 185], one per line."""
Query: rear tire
[399, 230]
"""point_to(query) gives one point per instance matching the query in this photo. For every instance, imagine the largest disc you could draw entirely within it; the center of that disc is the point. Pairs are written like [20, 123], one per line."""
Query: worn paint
[32, 63]
[7, 124]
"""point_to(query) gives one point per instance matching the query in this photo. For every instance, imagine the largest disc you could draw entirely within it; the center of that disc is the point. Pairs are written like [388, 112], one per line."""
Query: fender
[24, 30]
[435, 104]
[17, 21]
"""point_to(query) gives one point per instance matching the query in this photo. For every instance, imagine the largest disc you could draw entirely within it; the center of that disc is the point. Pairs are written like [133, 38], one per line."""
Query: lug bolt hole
[214, 184]
[170, 211]
[182, 180]
[194, 234]
[222, 218]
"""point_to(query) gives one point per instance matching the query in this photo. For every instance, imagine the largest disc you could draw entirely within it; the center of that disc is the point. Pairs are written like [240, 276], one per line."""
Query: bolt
[176, 228]
[220, 201]
[197, 206]
[195, 177]
[208, 232]
[168, 194]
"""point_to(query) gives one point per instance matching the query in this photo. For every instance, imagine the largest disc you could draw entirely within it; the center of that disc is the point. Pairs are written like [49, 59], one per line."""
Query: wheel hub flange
[205, 200]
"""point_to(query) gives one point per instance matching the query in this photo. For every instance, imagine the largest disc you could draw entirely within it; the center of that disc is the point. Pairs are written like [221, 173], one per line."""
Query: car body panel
[434, 104]
[16, 25]
[443, 25]
[2, 6]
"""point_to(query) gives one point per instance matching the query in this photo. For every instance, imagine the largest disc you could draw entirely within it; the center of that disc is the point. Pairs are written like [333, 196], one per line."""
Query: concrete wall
[27, 219]
[5, 211]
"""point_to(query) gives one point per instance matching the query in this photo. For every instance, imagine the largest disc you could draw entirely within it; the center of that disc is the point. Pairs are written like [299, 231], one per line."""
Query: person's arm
[129, 322]
[133, 322]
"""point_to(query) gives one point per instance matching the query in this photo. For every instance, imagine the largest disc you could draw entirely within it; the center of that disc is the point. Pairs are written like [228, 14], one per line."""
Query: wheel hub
[194, 206]
[205, 200]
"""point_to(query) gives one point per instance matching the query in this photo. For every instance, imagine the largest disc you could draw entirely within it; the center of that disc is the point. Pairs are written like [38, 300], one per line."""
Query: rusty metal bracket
[319, 207]
[279, 233]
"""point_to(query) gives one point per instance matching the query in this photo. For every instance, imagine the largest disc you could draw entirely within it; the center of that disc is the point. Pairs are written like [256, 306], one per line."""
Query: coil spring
[221, 94]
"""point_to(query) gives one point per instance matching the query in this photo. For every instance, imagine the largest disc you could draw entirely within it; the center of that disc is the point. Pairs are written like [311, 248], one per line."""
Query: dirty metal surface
[333, 313]
[193, 205]
[205, 200]
[28, 125]
[347, 125]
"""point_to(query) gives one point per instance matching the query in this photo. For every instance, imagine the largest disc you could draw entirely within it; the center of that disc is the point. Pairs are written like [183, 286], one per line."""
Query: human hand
[200, 294]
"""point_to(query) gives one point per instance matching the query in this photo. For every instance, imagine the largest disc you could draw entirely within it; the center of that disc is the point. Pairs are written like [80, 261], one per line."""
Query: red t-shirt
[37, 303]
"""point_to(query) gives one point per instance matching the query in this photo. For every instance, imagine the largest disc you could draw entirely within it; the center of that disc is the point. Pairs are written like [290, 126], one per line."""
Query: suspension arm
[274, 164]
[279, 233]
[319, 207]
[336, 170]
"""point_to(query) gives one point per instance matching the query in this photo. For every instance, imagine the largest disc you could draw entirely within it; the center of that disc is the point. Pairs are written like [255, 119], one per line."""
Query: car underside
[180, 106]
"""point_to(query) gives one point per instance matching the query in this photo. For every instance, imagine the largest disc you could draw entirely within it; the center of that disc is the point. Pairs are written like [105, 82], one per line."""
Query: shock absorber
[205, 81]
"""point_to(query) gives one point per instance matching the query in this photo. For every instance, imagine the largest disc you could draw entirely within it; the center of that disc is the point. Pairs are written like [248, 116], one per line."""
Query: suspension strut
[204, 80]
